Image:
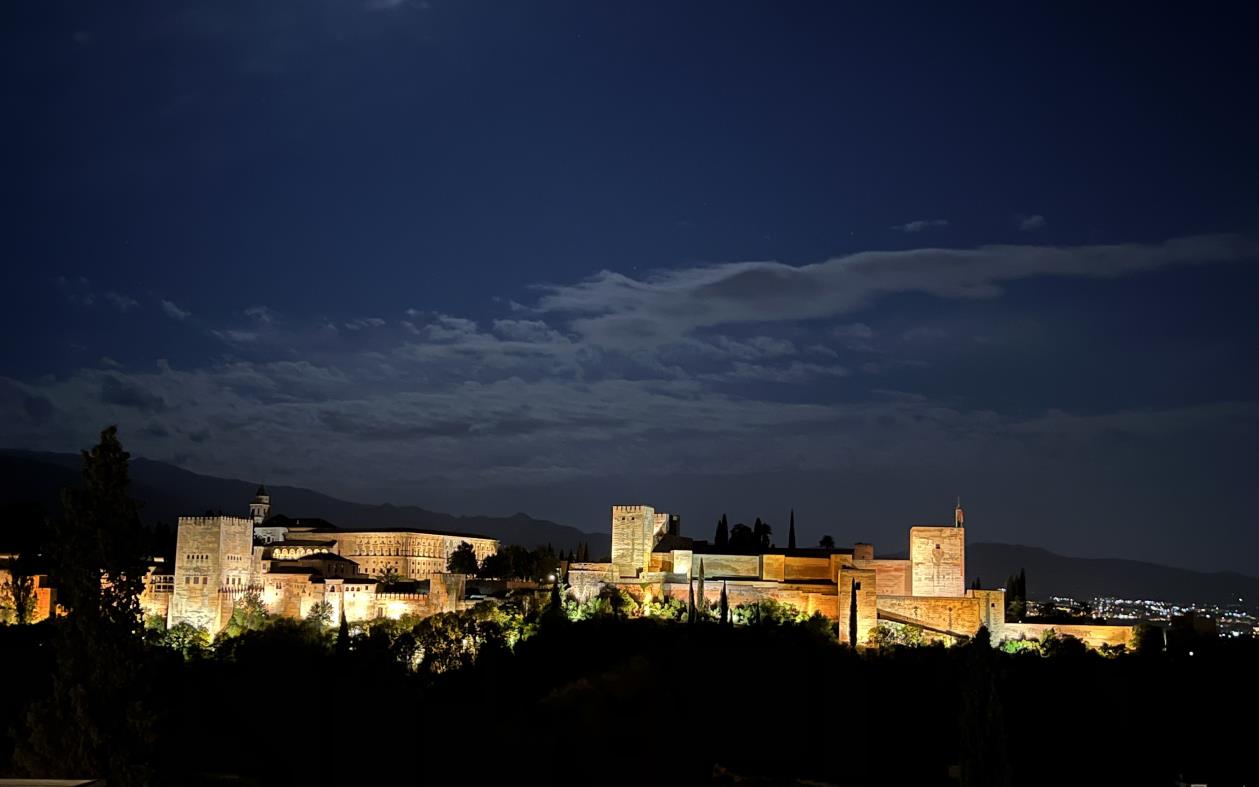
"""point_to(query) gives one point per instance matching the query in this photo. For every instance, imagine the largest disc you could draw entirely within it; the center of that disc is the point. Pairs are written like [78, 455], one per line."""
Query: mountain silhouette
[31, 481]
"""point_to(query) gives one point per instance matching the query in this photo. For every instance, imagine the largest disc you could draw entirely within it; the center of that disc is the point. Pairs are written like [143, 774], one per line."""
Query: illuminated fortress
[927, 590]
[295, 564]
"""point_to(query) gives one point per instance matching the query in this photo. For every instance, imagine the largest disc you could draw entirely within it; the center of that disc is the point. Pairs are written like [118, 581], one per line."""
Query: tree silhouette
[724, 605]
[742, 540]
[791, 531]
[827, 542]
[722, 539]
[462, 560]
[100, 690]
[761, 534]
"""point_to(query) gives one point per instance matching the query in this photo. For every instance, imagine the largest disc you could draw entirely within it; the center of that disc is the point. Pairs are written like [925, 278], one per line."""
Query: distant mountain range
[29, 479]
[34, 480]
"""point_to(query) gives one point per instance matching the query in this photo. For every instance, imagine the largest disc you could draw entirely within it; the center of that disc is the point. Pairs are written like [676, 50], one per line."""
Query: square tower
[213, 566]
[937, 558]
[635, 531]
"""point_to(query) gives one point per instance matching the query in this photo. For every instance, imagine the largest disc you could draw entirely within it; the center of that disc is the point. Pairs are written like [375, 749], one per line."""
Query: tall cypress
[791, 531]
[722, 539]
[725, 605]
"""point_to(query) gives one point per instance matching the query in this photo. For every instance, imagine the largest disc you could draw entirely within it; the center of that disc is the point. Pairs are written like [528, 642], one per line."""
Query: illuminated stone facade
[293, 567]
[848, 585]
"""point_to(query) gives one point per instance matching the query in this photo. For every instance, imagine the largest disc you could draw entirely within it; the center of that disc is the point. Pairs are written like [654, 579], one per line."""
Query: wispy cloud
[920, 225]
[1032, 223]
[612, 309]
[174, 312]
[122, 303]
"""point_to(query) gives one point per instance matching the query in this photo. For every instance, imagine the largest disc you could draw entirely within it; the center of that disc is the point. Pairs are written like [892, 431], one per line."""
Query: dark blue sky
[715, 257]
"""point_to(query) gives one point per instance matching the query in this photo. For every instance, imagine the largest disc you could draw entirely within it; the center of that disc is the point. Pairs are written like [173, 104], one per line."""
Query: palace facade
[293, 565]
[926, 590]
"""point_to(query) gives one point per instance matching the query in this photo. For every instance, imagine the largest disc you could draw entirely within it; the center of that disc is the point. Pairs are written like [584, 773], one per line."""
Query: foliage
[320, 614]
[462, 560]
[1147, 639]
[184, 638]
[515, 562]
[721, 539]
[742, 540]
[17, 594]
[768, 612]
[889, 634]
[1016, 596]
[100, 688]
[248, 614]
[826, 542]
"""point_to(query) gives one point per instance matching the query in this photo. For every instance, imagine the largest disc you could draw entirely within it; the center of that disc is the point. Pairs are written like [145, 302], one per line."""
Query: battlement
[631, 509]
[213, 521]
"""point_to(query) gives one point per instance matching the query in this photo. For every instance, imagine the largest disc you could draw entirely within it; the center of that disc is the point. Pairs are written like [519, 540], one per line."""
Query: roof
[317, 525]
[285, 567]
[299, 543]
[262, 491]
[328, 557]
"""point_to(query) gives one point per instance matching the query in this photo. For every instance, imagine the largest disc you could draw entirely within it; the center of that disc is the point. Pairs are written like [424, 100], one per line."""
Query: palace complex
[926, 590]
[295, 564]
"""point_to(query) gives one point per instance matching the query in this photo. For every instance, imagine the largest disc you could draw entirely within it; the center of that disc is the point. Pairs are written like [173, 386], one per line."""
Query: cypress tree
[343, 633]
[722, 539]
[725, 605]
[791, 531]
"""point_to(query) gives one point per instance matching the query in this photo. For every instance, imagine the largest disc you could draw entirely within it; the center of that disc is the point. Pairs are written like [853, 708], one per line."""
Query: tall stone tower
[635, 532]
[937, 558]
[213, 564]
[260, 506]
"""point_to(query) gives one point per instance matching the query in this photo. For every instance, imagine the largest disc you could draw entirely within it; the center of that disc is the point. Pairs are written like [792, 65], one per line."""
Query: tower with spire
[260, 506]
[959, 516]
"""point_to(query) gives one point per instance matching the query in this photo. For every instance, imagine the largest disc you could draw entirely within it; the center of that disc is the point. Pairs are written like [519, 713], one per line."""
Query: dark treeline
[522, 693]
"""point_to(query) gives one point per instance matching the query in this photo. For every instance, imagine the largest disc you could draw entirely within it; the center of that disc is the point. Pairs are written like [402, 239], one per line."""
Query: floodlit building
[926, 590]
[295, 564]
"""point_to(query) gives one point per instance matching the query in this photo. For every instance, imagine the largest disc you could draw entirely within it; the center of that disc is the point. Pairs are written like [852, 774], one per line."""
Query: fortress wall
[957, 615]
[773, 567]
[743, 566]
[1094, 635]
[938, 561]
[806, 568]
[861, 583]
[893, 577]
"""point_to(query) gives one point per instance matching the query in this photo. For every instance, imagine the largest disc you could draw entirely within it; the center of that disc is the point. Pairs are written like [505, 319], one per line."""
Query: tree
[742, 540]
[826, 542]
[722, 539]
[761, 533]
[320, 614]
[791, 531]
[974, 585]
[390, 577]
[462, 560]
[343, 633]
[724, 605]
[101, 686]
[18, 592]
[1016, 596]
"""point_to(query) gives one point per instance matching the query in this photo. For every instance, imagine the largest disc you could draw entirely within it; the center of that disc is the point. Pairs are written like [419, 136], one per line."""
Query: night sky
[715, 257]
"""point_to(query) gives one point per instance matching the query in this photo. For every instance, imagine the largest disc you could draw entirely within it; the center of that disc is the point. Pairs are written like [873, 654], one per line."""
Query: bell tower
[260, 506]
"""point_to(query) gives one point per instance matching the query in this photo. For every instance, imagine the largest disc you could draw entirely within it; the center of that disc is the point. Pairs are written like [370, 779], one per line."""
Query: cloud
[1030, 223]
[174, 312]
[612, 309]
[364, 322]
[120, 390]
[121, 302]
[236, 336]
[261, 313]
[920, 225]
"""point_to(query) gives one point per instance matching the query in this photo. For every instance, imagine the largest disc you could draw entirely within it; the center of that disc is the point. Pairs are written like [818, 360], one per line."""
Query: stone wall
[861, 583]
[958, 616]
[938, 558]
[807, 568]
[1094, 635]
[893, 577]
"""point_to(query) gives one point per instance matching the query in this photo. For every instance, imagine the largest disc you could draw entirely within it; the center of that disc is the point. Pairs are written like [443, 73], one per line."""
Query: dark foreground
[617, 701]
